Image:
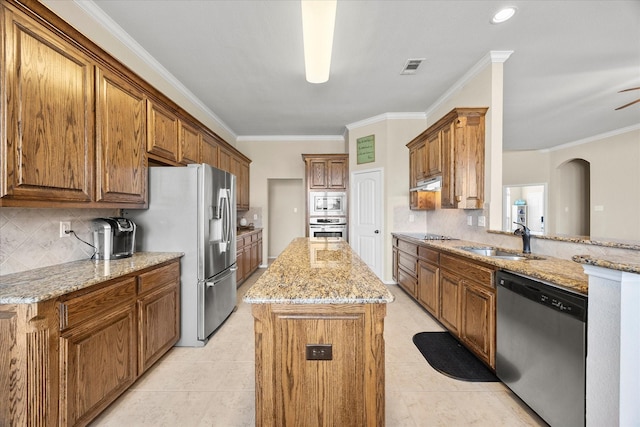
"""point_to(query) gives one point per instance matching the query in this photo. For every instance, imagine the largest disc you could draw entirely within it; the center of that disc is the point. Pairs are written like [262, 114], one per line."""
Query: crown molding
[594, 138]
[494, 56]
[102, 19]
[290, 138]
[387, 116]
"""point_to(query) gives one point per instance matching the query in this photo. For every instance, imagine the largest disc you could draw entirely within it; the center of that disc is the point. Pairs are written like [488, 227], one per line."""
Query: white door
[365, 233]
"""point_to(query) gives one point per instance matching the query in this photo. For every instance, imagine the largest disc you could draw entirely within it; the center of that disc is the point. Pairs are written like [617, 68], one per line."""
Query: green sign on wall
[366, 149]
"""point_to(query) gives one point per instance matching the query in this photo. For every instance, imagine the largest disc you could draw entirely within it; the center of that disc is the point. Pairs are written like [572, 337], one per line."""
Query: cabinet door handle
[377, 231]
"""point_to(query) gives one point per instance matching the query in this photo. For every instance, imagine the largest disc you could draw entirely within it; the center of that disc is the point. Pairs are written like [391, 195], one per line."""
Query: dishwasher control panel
[555, 298]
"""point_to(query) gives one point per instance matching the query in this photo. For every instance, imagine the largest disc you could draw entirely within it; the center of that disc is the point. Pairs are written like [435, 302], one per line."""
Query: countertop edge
[607, 263]
[555, 270]
[320, 271]
[42, 284]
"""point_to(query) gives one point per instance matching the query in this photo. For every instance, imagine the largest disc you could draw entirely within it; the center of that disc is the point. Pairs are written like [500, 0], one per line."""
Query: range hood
[431, 184]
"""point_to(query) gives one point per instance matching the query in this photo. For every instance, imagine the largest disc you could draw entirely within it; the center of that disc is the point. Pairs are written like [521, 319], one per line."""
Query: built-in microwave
[327, 203]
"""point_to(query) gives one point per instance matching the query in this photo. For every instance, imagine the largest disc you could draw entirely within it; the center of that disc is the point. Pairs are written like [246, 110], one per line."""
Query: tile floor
[214, 385]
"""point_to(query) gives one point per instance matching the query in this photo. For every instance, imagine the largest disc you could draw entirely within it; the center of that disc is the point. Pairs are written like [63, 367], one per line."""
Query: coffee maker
[113, 237]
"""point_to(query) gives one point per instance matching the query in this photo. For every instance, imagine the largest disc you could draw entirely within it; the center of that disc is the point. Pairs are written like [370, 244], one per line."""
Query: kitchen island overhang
[319, 333]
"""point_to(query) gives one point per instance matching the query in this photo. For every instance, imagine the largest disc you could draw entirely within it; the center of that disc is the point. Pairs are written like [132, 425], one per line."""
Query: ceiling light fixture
[318, 22]
[503, 15]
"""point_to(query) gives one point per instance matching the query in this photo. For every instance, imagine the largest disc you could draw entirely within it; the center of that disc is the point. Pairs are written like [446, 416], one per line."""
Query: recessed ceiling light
[503, 15]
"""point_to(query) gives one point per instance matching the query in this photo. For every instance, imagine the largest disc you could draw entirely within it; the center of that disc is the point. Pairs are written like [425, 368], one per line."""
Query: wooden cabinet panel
[97, 363]
[471, 270]
[158, 313]
[248, 254]
[477, 329]
[447, 192]
[347, 390]
[162, 131]
[210, 151]
[121, 141]
[159, 324]
[337, 174]
[302, 381]
[450, 286]
[408, 263]
[74, 310]
[429, 287]
[317, 174]
[327, 172]
[454, 147]
[407, 281]
[433, 147]
[225, 160]
[48, 145]
[189, 142]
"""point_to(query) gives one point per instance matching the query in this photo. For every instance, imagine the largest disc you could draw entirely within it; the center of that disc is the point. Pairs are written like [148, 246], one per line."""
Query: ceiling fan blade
[626, 105]
[631, 88]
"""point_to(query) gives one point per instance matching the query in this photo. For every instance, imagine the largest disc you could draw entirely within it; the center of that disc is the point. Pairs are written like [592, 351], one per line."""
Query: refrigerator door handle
[227, 217]
[212, 283]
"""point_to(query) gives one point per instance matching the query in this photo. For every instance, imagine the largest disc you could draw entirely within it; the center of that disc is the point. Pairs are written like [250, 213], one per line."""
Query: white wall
[391, 136]
[279, 159]
[287, 219]
[615, 179]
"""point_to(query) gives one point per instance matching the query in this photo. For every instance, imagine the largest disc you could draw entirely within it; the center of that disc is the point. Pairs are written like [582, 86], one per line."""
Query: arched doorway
[573, 208]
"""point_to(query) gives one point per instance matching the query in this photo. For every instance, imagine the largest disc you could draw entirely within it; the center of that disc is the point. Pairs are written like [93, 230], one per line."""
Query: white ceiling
[244, 61]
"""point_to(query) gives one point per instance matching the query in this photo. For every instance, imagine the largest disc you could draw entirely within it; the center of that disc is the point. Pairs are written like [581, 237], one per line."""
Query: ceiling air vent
[411, 66]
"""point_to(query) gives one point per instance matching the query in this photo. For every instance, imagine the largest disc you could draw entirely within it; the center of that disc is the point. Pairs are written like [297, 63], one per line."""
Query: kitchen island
[319, 322]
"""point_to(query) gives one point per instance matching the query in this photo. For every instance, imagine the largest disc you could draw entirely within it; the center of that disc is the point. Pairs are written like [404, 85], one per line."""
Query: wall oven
[327, 203]
[328, 227]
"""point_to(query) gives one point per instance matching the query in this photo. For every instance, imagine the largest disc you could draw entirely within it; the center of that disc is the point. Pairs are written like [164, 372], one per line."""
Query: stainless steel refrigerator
[193, 210]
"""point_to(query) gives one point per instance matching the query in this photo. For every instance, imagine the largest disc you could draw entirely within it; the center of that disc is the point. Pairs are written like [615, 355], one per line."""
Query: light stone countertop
[561, 272]
[318, 271]
[41, 284]
[630, 264]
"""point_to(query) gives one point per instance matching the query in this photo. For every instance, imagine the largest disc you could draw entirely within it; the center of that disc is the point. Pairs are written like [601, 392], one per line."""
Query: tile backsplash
[30, 238]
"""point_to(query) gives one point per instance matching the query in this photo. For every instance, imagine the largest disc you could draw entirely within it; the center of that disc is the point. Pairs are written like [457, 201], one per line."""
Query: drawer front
[239, 243]
[429, 254]
[93, 304]
[409, 283]
[247, 240]
[169, 274]
[408, 262]
[256, 236]
[478, 273]
[411, 248]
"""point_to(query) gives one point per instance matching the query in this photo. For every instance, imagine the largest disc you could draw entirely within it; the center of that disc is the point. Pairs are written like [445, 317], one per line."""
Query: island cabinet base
[319, 364]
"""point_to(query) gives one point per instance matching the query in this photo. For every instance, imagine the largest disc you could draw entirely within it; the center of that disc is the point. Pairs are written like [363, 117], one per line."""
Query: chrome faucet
[526, 237]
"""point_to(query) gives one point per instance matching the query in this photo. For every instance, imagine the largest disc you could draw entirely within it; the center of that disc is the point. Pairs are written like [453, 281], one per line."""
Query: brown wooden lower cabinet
[450, 301]
[248, 254]
[71, 357]
[457, 291]
[292, 390]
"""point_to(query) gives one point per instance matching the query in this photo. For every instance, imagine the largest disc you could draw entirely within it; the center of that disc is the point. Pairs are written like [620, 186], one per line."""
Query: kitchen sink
[497, 253]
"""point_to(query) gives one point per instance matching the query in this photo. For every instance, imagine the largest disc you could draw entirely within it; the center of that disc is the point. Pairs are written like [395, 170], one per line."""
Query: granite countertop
[41, 284]
[563, 273]
[318, 271]
[630, 264]
[243, 231]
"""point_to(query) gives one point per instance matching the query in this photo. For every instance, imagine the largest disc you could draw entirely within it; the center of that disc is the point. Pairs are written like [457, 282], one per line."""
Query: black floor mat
[446, 355]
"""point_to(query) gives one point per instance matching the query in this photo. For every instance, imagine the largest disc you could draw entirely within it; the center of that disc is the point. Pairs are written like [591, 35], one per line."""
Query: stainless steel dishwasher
[541, 347]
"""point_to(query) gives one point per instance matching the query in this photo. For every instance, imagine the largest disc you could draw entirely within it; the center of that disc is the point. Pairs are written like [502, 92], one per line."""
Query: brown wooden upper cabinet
[327, 171]
[48, 137]
[78, 128]
[121, 161]
[162, 130]
[189, 143]
[209, 150]
[453, 147]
